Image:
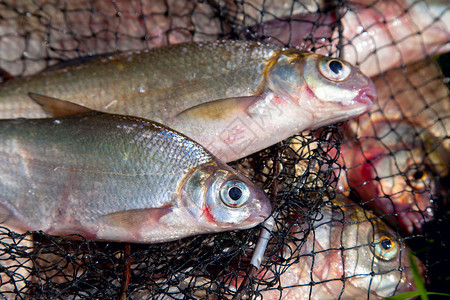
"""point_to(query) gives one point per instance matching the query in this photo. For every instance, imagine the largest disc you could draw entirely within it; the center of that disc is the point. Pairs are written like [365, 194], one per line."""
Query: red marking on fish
[208, 215]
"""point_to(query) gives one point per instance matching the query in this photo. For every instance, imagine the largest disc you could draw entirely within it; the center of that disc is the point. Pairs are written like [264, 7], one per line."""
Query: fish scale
[233, 97]
[210, 71]
[69, 175]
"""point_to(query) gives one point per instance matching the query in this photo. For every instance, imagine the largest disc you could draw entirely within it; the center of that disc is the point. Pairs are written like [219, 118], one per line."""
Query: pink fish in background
[397, 158]
[376, 35]
[381, 35]
[394, 172]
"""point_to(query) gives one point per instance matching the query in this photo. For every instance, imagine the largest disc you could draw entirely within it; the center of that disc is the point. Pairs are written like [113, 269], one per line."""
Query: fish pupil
[386, 244]
[235, 193]
[418, 175]
[336, 66]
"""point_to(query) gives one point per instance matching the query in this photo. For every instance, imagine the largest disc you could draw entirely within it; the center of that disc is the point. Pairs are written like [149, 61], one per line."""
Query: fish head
[221, 199]
[330, 89]
[396, 171]
[376, 259]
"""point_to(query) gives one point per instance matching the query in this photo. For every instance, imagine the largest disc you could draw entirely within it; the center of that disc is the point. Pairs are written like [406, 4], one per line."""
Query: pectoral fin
[135, 218]
[59, 108]
[221, 108]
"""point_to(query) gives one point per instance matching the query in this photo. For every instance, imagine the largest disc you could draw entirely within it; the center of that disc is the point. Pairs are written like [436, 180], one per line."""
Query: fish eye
[384, 247]
[234, 193]
[417, 177]
[334, 69]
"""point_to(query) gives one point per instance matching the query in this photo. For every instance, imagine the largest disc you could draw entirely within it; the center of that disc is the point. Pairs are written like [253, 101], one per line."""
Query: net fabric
[299, 174]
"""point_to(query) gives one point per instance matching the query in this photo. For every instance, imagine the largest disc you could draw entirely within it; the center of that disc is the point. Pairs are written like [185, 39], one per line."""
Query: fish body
[260, 11]
[381, 35]
[417, 92]
[233, 97]
[395, 171]
[346, 242]
[118, 178]
[377, 35]
[396, 157]
[162, 82]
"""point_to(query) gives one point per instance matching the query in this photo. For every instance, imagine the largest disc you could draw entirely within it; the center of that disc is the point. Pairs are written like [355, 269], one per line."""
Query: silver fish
[118, 178]
[233, 97]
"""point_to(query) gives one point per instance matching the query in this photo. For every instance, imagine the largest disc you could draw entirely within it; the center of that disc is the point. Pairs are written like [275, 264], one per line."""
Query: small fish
[417, 92]
[233, 97]
[397, 157]
[117, 178]
[395, 171]
[381, 35]
[346, 242]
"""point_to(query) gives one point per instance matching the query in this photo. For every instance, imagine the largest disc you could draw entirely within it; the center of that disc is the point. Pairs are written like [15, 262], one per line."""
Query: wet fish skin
[395, 172]
[347, 226]
[247, 95]
[260, 11]
[392, 37]
[396, 156]
[296, 97]
[419, 93]
[116, 178]
[162, 82]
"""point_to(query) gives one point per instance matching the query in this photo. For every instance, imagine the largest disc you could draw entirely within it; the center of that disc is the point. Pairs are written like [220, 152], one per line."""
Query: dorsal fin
[59, 108]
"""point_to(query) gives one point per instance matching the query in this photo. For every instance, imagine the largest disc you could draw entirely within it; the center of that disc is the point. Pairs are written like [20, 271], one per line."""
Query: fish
[344, 241]
[376, 35]
[382, 35]
[117, 178]
[233, 97]
[396, 173]
[397, 158]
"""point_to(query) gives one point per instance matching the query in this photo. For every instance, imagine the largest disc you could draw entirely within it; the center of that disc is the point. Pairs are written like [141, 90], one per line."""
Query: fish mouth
[367, 97]
[414, 221]
[257, 219]
[263, 209]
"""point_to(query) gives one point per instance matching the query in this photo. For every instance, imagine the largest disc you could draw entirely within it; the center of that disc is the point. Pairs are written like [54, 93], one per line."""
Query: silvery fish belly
[233, 97]
[118, 178]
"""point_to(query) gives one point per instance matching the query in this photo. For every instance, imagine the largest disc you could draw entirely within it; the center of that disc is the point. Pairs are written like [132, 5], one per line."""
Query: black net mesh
[396, 154]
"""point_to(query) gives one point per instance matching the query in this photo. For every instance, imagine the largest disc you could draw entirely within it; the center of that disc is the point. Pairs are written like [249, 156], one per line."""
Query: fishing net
[299, 175]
